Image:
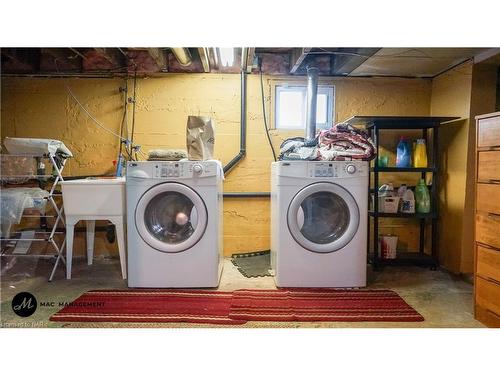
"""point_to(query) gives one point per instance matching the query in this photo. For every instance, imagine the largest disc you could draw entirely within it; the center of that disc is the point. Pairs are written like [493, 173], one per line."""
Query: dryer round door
[323, 217]
[171, 217]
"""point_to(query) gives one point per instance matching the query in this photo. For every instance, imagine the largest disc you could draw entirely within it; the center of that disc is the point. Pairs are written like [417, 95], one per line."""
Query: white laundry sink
[94, 196]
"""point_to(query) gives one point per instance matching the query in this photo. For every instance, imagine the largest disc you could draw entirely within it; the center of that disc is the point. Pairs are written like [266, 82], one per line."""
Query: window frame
[328, 89]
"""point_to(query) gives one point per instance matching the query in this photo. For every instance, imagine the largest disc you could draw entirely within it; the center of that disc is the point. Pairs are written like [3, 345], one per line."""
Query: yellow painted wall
[40, 107]
[465, 91]
[451, 93]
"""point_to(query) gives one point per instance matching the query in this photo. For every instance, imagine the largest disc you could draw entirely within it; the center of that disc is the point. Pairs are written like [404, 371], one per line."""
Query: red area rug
[238, 307]
[149, 305]
[328, 305]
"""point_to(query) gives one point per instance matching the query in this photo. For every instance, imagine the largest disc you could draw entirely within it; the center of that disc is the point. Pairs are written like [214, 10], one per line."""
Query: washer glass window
[326, 217]
[170, 217]
[323, 217]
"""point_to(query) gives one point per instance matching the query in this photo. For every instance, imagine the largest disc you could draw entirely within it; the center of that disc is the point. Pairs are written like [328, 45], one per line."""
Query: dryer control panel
[337, 169]
[324, 170]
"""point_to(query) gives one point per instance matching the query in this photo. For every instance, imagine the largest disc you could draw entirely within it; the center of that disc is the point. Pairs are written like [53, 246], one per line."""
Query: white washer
[174, 223]
[319, 223]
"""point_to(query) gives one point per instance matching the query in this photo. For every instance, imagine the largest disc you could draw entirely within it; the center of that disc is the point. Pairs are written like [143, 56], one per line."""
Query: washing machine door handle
[300, 217]
[194, 217]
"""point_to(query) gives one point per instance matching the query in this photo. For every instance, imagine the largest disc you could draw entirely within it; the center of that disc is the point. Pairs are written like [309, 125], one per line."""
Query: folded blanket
[344, 142]
[341, 142]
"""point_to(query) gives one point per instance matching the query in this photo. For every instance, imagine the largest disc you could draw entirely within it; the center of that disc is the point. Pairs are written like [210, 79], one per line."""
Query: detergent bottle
[420, 154]
[422, 198]
[403, 154]
[408, 202]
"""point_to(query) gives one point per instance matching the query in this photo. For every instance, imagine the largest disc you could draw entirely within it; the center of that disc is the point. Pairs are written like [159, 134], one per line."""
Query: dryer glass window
[325, 217]
[170, 217]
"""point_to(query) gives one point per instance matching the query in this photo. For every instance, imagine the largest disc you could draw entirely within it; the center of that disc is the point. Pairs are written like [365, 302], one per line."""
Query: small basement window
[291, 106]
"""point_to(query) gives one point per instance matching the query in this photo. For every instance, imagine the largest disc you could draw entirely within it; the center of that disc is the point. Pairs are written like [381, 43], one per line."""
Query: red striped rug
[238, 307]
[331, 305]
[149, 305]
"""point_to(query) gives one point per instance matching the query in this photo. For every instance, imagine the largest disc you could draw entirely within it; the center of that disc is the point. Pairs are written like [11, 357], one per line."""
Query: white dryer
[174, 223]
[319, 223]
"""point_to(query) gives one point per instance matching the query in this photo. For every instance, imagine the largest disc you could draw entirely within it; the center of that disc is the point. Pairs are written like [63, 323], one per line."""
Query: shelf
[430, 215]
[396, 169]
[410, 258]
[398, 122]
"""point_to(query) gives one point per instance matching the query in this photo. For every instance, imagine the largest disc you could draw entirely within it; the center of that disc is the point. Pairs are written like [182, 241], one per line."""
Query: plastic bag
[200, 138]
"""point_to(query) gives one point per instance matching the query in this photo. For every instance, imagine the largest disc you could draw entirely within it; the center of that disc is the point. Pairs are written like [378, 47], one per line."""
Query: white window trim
[328, 89]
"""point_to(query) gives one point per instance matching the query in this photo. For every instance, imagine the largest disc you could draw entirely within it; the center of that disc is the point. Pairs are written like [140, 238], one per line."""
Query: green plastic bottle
[422, 198]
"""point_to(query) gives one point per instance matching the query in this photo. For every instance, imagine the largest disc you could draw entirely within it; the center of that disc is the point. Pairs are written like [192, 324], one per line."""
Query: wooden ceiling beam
[297, 57]
[111, 55]
[21, 59]
[60, 60]
[160, 58]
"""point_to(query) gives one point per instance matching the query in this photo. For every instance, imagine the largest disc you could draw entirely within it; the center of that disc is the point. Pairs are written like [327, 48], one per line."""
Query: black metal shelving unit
[430, 132]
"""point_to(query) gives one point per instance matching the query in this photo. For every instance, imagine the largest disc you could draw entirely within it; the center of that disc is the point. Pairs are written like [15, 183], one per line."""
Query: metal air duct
[312, 95]
[182, 55]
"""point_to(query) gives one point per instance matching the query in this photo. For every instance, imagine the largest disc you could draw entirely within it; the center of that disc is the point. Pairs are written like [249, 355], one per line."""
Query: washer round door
[323, 217]
[171, 217]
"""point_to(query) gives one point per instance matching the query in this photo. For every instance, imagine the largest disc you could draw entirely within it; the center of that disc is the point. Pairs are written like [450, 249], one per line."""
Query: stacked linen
[344, 142]
[341, 142]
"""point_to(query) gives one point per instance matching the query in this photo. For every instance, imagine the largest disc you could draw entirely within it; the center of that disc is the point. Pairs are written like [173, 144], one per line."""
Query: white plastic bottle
[408, 202]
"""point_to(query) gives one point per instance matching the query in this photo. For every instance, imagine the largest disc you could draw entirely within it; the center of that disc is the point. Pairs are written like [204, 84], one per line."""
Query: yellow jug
[420, 154]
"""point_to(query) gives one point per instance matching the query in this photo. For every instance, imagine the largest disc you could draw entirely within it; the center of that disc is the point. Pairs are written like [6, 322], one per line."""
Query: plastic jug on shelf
[408, 202]
[422, 197]
[420, 154]
[403, 154]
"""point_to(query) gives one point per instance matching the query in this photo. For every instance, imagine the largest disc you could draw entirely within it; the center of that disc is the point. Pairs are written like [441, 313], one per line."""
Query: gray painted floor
[443, 299]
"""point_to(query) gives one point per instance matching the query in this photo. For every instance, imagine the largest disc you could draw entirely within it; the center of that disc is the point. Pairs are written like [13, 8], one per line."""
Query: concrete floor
[443, 299]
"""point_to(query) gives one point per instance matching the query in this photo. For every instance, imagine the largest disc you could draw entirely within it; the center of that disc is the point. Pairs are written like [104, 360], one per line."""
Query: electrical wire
[96, 121]
[264, 112]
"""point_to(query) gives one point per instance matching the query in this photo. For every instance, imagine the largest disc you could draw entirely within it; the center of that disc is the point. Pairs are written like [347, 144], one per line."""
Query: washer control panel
[165, 170]
[174, 170]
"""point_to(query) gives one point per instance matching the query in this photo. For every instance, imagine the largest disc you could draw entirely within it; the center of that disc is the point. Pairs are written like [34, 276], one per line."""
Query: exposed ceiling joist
[111, 55]
[60, 59]
[78, 53]
[355, 62]
[203, 52]
[298, 56]
[160, 58]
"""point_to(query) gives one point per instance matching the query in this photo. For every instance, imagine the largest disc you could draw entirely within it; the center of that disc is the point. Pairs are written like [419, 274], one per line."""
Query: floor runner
[154, 305]
[335, 305]
[238, 307]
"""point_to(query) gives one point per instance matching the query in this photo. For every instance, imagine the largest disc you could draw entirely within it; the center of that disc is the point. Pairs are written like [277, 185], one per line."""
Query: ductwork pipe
[312, 95]
[182, 55]
[243, 125]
